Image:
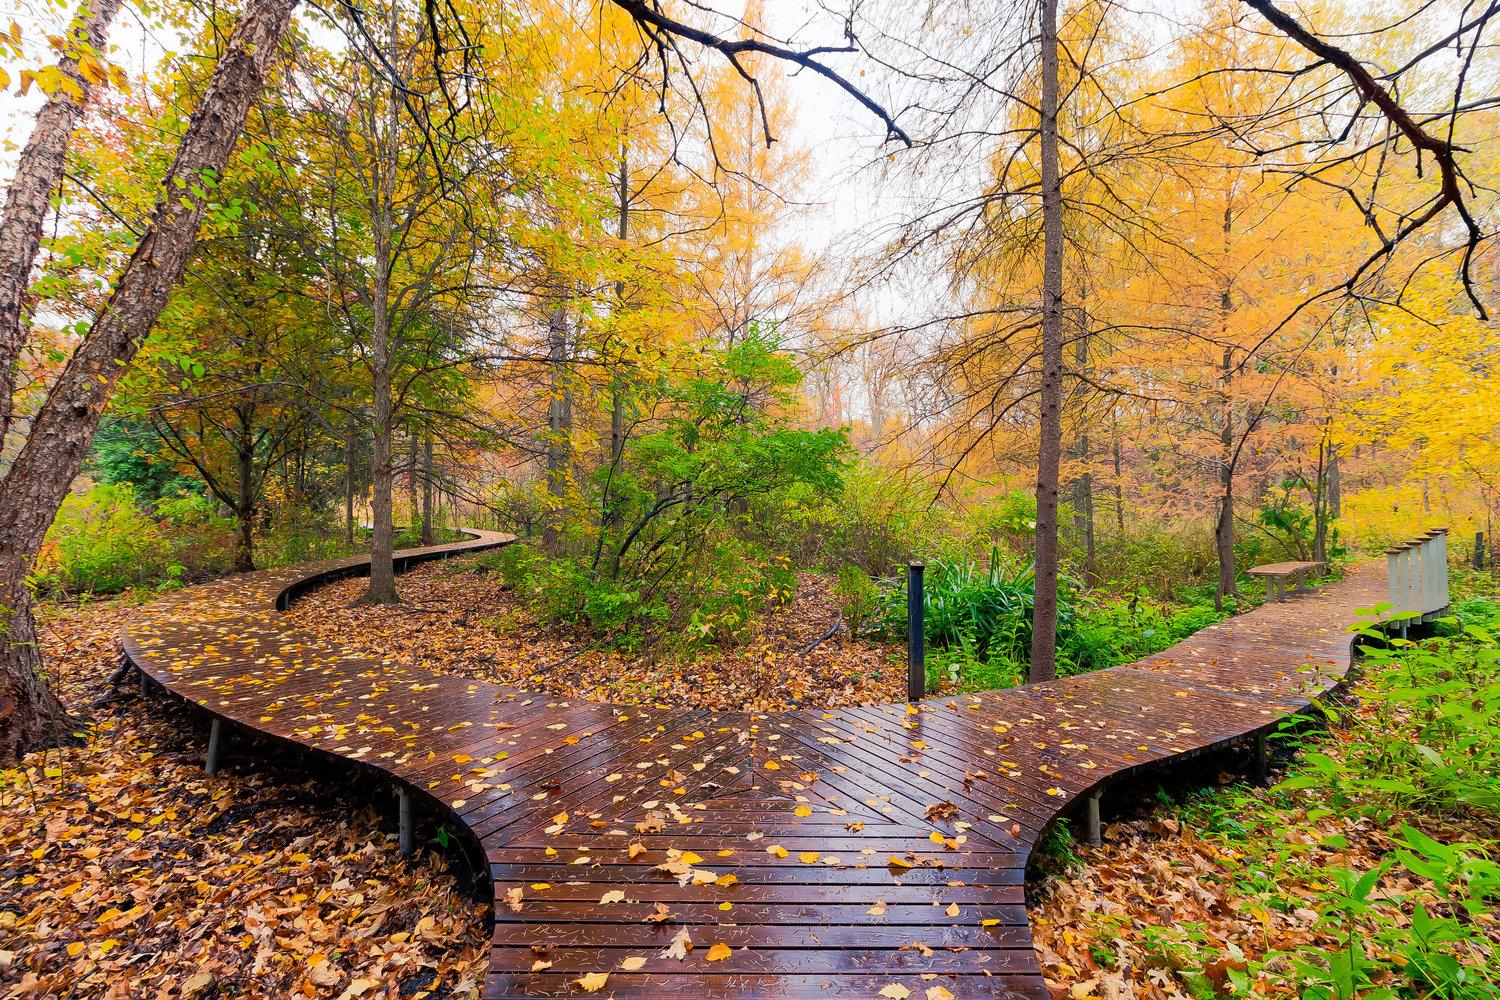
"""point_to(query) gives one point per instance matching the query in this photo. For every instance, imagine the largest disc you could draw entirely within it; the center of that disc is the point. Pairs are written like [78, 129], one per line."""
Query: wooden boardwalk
[803, 854]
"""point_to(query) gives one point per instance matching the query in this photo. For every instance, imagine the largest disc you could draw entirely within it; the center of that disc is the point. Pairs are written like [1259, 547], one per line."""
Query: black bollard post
[916, 653]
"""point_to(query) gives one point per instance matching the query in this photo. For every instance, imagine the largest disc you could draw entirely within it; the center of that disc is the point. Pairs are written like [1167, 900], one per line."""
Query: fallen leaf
[613, 896]
[633, 962]
[592, 981]
[718, 952]
[895, 991]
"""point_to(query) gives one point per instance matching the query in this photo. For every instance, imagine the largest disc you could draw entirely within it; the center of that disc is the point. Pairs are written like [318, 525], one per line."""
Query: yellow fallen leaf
[592, 981]
[195, 983]
[540, 964]
[938, 993]
[462, 758]
[895, 991]
[808, 857]
[691, 858]
[718, 952]
[899, 863]
[992, 922]
[89, 853]
[632, 963]
[636, 850]
[777, 850]
[771, 765]
[802, 811]
[613, 896]
[952, 910]
[726, 880]
[935, 837]
[726, 906]
[541, 885]
[133, 835]
[75, 948]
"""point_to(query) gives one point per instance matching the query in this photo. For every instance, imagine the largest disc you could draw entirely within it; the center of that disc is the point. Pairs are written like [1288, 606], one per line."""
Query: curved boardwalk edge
[803, 854]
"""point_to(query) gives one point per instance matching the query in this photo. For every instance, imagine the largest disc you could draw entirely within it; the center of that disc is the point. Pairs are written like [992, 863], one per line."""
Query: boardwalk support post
[408, 831]
[916, 654]
[1093, 817]
[1262, 770]
[215, 746]
[145, 682]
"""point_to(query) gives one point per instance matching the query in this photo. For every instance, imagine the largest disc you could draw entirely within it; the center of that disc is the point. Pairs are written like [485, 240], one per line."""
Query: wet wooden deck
[803, 854]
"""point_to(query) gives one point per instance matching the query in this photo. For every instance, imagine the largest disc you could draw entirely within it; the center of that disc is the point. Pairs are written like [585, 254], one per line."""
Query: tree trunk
[38, 173]
[557, 423]
[382, 465]
[611, 512]
[1228, 454]
[413, 491]
[1083, 486]
[1049, 449]
[349, 482]
[427, 492]
[64, 428]
[244, 507]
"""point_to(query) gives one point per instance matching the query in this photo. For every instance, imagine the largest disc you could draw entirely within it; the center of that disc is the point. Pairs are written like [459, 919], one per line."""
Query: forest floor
[472, 625]
[126, 872]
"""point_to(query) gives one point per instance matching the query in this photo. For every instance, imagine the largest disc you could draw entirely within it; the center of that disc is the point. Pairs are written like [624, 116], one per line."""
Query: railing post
[1393, 580]
[1093, 818]
[1440, 568]
[916, 652]
[1408, 582]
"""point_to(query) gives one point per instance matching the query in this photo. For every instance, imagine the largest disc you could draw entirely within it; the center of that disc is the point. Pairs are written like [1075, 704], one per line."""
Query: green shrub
[101, 542]
[518, 564]
[559, 590]
[859, 598]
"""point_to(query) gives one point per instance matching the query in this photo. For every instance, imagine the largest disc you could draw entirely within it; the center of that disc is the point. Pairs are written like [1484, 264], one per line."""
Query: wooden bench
[1277, 574]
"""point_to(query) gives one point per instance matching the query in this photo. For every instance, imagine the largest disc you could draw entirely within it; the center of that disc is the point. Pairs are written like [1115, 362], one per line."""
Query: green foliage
[662, 546]
[859, 598]
[103, 542]
[123, 453]
[874, 521]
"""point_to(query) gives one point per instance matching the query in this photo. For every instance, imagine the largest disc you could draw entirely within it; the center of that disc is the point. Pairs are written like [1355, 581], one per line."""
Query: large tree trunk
[38, 173]
[1049, 449]
[382, 465]
[64, 427]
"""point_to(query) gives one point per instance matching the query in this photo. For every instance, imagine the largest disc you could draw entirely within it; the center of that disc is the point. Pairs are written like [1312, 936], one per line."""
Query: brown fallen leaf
[659, 914]
[513, 898]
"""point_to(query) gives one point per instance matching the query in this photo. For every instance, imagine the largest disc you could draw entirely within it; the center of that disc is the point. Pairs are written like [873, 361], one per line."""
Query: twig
[838, 623]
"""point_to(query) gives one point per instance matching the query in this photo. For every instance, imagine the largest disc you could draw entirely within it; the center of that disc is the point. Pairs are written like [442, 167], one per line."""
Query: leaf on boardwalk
[718, 952]
[592, 981]
[679, 947]
[895, 991]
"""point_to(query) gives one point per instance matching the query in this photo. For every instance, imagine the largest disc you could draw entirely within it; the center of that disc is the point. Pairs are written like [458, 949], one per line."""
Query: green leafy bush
[102, 542]
[859, 598]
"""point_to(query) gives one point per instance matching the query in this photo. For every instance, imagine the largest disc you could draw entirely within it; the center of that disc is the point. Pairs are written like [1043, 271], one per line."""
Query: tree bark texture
[64, 427]
[38, 173]
[427, 492]
[1049, 449]
[559, 422]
